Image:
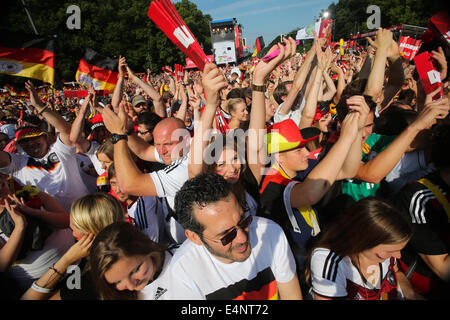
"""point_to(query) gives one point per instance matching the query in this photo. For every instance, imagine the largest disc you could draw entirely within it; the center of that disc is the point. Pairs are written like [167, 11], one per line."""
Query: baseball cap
[285, 135]
[28, 132]
[138, 99]
[96, 121]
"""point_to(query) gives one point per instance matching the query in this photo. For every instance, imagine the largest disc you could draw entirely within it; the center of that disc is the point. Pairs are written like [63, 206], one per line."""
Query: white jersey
[195, 273]
[37, 262]
[148, 215]
[331, 275]
[56, 173]
[167, 182]
[157, 289]
[295, 113]
[92, 155]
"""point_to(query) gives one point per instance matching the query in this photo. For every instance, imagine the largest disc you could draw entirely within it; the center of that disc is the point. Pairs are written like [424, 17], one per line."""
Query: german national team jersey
[56, 173]
[300, 223]
[147, 214]
[333, 276]
[194, 273]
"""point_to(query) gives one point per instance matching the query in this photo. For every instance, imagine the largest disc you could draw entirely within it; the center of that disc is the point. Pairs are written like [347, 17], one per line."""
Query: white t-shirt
[148, 215]
[167, 182]
[295, 113]
[157, 289]
[92, 155]
[330, 274]
[195, 274]
[56, 173]
[37, 262]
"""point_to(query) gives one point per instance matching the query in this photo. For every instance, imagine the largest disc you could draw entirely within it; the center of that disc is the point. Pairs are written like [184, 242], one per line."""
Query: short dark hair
[149, 119]
[279, 92]
[200, 191]
[342, 107]
[234, 93]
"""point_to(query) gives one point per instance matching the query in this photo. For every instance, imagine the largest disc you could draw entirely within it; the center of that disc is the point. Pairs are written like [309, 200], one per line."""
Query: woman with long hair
[125, 264]
[356, 257]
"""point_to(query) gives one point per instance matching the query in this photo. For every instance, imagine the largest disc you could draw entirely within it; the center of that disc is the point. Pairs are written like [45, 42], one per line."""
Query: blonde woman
[239, 114]
[88, 216]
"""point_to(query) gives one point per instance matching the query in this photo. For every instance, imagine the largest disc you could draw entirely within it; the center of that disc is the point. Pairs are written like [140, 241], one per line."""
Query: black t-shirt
[430, 221]
[85, 291]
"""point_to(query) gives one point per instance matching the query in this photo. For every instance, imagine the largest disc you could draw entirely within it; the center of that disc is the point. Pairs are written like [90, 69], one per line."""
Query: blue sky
[263, 17]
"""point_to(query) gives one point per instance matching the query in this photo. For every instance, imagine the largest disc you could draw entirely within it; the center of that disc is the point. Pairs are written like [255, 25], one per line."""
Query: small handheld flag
[165, 16]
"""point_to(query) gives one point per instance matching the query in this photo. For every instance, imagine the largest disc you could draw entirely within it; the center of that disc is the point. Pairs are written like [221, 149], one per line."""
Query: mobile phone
[274, 54]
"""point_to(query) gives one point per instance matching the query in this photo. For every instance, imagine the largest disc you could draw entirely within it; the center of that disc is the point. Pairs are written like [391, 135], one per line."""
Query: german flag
[27, 56]
[259, 45]
[98, 71]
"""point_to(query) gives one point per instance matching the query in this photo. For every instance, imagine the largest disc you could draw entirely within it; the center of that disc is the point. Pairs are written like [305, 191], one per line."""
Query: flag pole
[25, 6]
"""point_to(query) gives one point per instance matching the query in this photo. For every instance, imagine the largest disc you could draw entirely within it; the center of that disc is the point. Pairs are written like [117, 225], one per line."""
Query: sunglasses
[230, 236]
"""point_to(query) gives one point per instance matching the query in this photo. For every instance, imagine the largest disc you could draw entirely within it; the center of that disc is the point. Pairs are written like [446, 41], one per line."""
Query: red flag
[409, 47]
[166, 17]
[439, 24]
[83, 93]
[429, 76]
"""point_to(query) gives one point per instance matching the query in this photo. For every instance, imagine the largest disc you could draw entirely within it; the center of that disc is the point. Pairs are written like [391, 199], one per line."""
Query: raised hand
[213, 81]
[19, 219]
[383, 39]
[122, 66]
[80, 249]
[263, 69]
[359, 104]
[34, 98]
[432, 111]
[115, 123]
[439, 56]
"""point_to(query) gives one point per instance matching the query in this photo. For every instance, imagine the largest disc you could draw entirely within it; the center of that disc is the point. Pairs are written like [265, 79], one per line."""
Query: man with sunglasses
[229, 254]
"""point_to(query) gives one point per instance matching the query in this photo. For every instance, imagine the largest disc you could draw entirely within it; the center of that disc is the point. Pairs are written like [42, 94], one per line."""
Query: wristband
[42, 110]
[258, 88]
[40, 289]
[54, 269]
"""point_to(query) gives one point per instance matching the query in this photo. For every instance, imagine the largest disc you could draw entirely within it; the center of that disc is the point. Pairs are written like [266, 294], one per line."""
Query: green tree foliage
[110, 27]
[350, 16]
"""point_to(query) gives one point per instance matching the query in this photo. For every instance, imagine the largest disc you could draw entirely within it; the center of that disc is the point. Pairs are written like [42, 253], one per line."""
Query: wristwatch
[117, 137]
[262, 88]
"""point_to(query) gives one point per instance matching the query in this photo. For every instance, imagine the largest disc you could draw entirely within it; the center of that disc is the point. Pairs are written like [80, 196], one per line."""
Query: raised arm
[76, 136]
[376, 78]
[118, 90]
[258, 114]
[324, 174]
[213, 81]
[160, 110]
[10, 250]
[52, 117]
[43, 288]
[130, 178]
[299, 80]
[377, 168]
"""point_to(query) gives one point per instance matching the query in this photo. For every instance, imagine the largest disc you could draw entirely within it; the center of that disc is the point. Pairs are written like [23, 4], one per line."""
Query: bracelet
[40, 289]
[54, 269]
[42, 110]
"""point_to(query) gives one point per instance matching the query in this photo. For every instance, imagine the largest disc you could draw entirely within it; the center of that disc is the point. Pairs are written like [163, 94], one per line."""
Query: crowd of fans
[314, 175]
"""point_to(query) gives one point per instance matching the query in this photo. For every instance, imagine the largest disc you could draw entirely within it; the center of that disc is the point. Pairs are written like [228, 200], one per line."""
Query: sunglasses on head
[231, 235]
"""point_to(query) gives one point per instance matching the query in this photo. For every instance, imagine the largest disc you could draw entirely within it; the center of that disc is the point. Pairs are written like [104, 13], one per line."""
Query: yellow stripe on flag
[27, 69]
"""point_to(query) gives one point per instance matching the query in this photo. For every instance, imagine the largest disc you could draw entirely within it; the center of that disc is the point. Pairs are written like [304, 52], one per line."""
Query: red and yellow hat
[28, 132]
[285, 135]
